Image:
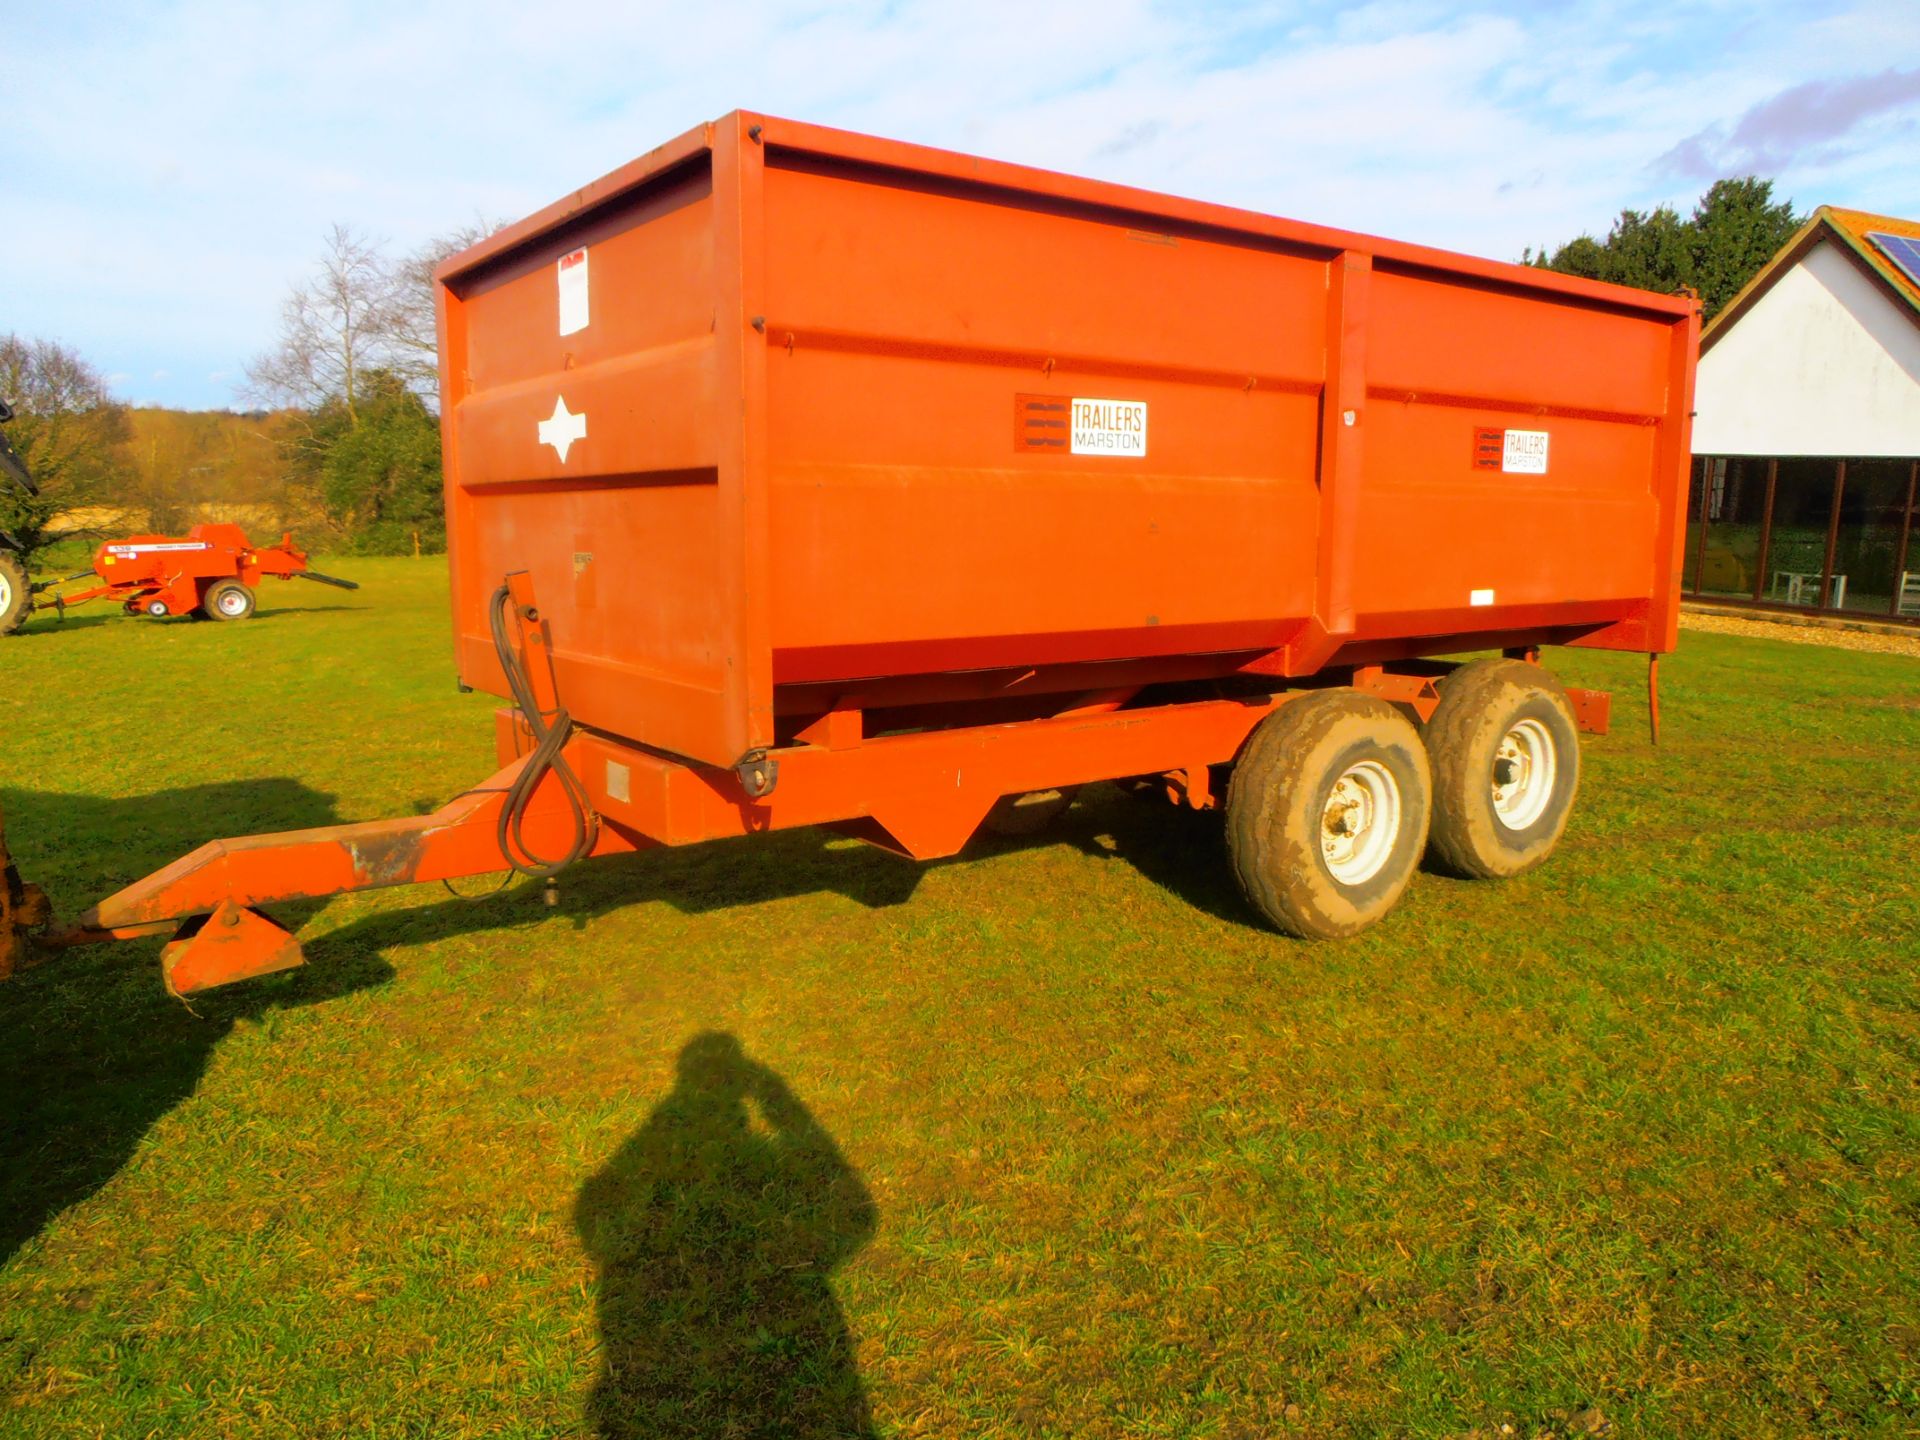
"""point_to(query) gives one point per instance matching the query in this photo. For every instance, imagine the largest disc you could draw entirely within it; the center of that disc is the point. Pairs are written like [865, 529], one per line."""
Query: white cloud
[172, 168]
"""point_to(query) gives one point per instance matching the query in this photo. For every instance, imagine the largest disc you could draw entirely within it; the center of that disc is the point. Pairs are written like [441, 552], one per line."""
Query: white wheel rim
[1525, 766]
[158, 609]
[1360, 823]
[6, 594]
[232, 603]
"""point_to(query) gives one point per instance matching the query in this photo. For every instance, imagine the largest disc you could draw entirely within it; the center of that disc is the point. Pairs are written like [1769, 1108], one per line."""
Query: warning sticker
[1517, 452]
[1109, 427]
[573, 291]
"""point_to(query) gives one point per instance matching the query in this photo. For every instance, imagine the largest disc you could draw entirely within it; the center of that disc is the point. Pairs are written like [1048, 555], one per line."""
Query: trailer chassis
[920, 794]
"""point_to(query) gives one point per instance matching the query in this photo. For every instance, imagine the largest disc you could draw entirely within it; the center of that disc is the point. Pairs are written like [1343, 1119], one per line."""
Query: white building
[1807, 426]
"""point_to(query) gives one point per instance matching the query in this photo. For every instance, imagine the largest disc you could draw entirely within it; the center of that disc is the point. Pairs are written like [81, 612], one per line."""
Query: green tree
[1736, 227]
[69, 432]
[1653, 251]
[377, 468]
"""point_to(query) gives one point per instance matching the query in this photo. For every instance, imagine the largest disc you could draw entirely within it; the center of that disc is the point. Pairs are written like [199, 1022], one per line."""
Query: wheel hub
[1525, 767]
[1360, 822]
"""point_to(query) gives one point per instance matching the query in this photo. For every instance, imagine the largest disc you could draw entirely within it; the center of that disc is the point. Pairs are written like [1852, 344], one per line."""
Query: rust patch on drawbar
[390, 859]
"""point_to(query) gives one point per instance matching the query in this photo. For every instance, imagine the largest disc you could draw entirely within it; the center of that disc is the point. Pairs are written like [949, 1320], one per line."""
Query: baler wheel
[1327, 813]
[228, 600]
[1506, 767]
[16, 595]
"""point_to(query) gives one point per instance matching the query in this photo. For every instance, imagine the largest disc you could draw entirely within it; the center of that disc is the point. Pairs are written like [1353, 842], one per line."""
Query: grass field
[788, 1136]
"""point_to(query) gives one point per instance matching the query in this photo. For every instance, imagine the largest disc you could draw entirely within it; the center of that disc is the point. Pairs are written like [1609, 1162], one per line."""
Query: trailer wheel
[228, 600]
[1327, 813]
[16, 596]
[1506, 766]
[1030, 813]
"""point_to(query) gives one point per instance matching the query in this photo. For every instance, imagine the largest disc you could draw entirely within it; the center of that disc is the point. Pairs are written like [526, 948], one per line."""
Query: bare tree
[333, 329]
[361, 311]
[416, 352]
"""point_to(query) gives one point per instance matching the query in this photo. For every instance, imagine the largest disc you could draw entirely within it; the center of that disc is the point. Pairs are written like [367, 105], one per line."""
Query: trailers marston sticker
[1071, 425]
[156, 549]
[1109, 427]
[573, 292]
[1517, 452]
[1525, 453]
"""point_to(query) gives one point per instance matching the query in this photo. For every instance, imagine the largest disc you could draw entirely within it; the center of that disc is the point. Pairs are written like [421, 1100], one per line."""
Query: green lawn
[1050, 1140]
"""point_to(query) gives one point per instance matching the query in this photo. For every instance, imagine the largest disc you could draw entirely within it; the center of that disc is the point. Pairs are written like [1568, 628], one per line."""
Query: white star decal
[563, 428]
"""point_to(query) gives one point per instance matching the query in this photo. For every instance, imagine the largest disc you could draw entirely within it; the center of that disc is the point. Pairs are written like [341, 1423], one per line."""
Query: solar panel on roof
[1903, 250]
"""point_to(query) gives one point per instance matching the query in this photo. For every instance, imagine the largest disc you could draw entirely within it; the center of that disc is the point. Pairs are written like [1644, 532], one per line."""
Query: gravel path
[1804, 634]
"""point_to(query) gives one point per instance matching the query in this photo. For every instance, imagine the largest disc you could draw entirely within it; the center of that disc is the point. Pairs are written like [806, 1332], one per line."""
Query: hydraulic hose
[550, 733]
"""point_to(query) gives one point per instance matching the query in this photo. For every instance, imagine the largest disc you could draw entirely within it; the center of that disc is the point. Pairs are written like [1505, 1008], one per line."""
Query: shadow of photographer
[716, 1230]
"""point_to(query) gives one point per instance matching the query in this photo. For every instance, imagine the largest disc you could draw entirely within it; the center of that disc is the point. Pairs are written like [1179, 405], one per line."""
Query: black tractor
[16, 595]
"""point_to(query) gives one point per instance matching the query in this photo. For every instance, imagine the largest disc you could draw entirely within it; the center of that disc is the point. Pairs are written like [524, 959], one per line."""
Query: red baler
[212, 572]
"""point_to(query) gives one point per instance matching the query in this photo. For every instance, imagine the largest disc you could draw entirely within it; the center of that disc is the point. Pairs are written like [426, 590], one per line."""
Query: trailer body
[778, 413]
[798, 478]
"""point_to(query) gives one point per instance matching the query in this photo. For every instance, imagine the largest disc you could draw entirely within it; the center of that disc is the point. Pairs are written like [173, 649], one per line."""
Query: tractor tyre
[1327, 813]
[16, 595]
[1506, 767]
[228, 600]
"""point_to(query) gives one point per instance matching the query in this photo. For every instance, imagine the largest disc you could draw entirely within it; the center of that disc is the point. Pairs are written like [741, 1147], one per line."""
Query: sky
[170, 169]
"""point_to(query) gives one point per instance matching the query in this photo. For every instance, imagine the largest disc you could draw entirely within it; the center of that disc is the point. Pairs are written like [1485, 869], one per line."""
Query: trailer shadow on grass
[1176, 849]
[1182, 851]
[93, 1051]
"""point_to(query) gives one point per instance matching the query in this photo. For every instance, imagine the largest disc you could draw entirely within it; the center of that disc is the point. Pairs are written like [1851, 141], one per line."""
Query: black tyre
[1506, 768]
[16, 597]
[1327, 813]
[228, 600]
[1030, 813]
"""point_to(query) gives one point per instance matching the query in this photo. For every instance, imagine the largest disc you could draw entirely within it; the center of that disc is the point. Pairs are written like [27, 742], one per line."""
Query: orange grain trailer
[800, 478]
